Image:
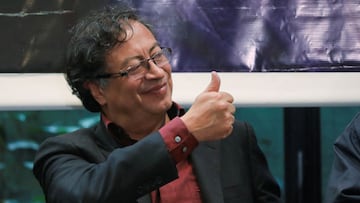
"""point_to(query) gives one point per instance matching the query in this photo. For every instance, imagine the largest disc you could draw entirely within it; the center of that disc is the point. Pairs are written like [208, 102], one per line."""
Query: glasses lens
[138, 71]
[160, 59]
[163, 57]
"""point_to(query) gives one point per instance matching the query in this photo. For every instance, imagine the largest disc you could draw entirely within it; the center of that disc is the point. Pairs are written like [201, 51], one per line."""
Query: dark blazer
[88, 166]
[344, 180]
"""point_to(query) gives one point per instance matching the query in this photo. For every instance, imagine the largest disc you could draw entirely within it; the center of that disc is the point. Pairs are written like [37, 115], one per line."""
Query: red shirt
[180, 143]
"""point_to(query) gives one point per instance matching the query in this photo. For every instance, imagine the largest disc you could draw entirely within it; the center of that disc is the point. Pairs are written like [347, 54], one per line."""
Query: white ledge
[50, 91]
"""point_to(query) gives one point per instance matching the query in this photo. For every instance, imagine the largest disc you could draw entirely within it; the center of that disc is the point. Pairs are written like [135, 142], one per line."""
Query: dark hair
[91, 39]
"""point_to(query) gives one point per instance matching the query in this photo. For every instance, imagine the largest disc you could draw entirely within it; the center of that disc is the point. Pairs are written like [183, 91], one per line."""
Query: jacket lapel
[144, 199]
[205, 160]
[103, 138]
[206, 163]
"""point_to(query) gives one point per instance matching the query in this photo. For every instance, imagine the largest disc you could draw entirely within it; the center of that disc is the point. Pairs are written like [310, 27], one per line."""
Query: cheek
[167, 69]
[170, 84]
[121, 90]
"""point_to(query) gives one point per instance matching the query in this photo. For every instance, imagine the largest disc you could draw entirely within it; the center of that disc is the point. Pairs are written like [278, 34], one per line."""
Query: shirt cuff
[179, 141]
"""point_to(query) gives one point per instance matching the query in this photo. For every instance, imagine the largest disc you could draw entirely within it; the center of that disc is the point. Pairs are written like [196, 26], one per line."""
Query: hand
[212, 114]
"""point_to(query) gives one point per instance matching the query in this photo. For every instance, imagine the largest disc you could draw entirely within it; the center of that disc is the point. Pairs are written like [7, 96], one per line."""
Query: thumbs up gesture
[214, 85]
[212, 114]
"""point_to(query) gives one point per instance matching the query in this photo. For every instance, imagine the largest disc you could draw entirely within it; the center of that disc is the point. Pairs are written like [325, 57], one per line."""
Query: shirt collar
[175, 110]
[120, 135]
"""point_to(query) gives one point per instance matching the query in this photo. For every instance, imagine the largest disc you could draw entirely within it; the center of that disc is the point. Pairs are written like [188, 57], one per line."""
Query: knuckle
[222, 105]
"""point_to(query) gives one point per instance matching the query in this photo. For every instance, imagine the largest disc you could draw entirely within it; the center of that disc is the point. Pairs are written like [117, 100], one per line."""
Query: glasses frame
[143, 63]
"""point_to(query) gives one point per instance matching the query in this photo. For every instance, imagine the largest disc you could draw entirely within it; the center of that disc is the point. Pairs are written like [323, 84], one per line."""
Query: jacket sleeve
[266, 189]
[78, 170]
[344, 184]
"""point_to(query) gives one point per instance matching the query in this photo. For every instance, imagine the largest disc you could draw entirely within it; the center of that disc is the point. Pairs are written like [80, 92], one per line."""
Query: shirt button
[184, 149]
[177, 139]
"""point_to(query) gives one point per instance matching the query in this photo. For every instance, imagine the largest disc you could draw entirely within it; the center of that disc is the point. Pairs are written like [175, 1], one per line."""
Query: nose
[153, 70]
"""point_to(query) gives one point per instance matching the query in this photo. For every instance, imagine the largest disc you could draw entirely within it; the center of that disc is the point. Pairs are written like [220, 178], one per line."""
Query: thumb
[214, 84]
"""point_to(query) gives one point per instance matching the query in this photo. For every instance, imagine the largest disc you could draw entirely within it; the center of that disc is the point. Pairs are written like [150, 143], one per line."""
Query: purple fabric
[245, 36]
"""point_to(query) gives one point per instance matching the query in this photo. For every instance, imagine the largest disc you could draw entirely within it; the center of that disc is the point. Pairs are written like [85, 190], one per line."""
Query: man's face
[130, 98]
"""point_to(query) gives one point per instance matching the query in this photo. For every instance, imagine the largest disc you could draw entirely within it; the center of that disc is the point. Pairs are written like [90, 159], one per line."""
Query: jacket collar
[205, 160]
[109, 142]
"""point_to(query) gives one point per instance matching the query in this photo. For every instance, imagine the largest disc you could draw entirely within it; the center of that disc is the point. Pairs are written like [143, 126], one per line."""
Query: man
[146, 148]
[344, 184]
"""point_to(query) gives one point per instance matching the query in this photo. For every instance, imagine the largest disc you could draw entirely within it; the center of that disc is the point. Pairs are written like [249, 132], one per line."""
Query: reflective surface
[260, 36]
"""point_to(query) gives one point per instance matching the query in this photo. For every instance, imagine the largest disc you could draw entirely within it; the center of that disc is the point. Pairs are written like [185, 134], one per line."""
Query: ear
[97, 92]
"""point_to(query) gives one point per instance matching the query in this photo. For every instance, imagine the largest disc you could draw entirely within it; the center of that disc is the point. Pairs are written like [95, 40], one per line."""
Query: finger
[231, 128]
[232, 109]
[228, 97]
[214, 84]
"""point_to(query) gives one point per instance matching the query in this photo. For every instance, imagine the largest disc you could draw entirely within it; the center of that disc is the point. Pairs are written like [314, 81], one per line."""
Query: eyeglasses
[139, 69]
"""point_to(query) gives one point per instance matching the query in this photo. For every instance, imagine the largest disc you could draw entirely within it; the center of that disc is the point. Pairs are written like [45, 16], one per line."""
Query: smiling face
[126, 99]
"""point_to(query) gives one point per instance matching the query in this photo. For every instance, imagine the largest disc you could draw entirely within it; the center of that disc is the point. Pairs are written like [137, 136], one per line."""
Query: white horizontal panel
[276, 89]
[50, 91]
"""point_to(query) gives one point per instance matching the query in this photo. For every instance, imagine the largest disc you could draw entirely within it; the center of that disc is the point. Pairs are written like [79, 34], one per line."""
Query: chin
[165, 105]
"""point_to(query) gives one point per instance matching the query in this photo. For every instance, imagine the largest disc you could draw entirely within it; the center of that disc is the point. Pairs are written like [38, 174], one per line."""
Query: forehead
[139, 42]
[138, 36]
[137, 32]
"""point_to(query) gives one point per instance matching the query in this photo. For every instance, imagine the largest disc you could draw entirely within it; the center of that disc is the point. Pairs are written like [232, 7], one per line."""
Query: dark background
[232, 35]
